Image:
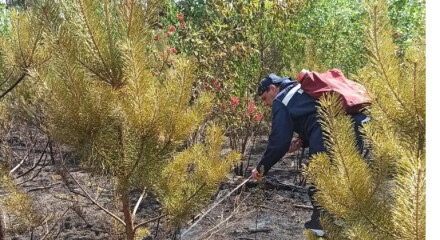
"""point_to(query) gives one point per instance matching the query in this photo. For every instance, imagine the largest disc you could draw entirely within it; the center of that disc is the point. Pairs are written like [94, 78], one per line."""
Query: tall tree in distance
[382, 197]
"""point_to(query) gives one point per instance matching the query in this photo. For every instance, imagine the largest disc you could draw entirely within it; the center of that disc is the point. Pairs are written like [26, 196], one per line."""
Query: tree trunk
[124, 188]
[129, 225]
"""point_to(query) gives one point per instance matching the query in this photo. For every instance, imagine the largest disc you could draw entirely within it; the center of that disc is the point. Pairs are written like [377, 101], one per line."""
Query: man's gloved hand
[295, 145]
[255, 174]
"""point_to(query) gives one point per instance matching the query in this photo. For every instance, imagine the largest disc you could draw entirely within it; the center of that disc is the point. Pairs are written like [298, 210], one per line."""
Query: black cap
[268, 80]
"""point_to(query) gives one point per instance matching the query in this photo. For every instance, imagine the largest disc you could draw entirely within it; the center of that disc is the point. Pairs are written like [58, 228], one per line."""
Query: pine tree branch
[43, 61]
[380, 61]
[130, 18]
[419, 124]
[384, 111]
[19, 43]
[8, 77]
[195, 193]
[89, 30]
[34, 47]
[24, 74]
[110, 40]
[93, 71]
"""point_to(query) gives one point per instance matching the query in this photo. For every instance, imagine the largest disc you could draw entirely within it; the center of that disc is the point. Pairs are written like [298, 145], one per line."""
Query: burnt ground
[276, 208]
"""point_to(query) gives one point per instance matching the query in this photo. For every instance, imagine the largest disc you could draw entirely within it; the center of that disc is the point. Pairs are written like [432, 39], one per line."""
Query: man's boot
[314, 224]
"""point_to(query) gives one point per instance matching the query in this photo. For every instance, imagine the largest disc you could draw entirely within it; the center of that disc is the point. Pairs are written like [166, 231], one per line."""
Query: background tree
[408, 21]
[384, 197]
[334, 30]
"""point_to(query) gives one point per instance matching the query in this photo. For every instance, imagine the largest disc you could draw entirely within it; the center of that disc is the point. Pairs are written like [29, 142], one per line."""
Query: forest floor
[277, 208]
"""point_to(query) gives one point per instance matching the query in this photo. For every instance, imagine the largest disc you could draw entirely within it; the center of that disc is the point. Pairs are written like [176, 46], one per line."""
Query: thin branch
[93, 200]
[110, 40]
[281, 211]
[22, 160]
[24, 74]
[253, 144]
[148, 221]
[218, 226]
[138, 159]
[419, 174]
[55, 224]
[166, 214]
[43, 187]
[195, 193]
[236, 209]
[19, 42]
[39, 170]
[141, 198]
[8, 77]
[35, 165]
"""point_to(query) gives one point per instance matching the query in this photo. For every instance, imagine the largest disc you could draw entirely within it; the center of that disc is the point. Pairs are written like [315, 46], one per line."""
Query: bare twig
[253, 145]
[148, 221]
[236, 210]
[42, 188]
[23, 159]
[157, 228]
[39, 170]
[93, 200]
[35, 165]
[54, 225]
[302, 206]
[266, 229]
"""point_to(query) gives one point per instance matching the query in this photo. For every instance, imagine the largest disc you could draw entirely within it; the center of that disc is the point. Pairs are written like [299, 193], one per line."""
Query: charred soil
[275, 208]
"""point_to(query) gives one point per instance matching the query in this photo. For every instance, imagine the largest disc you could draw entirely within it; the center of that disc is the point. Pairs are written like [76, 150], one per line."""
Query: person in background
[293, 110]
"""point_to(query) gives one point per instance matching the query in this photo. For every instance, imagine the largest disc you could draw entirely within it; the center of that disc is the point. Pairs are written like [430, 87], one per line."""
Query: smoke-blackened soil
[275, 208]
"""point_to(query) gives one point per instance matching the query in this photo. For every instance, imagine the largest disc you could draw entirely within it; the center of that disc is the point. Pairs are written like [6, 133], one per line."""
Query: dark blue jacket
[293, 110]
